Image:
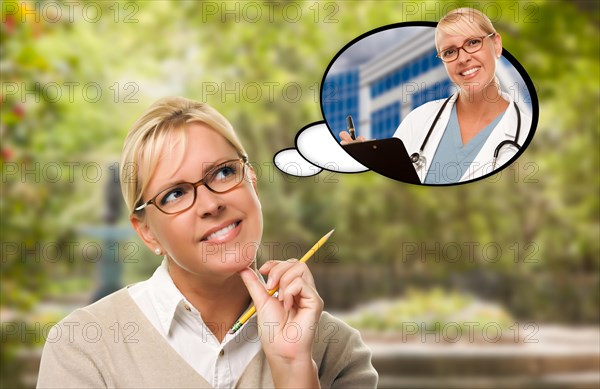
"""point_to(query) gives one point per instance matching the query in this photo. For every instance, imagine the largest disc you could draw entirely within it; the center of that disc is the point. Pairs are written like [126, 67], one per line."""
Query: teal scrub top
[452, 159]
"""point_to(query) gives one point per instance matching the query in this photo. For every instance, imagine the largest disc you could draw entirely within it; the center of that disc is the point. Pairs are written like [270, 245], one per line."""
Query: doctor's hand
[347, 139]
[288, 322]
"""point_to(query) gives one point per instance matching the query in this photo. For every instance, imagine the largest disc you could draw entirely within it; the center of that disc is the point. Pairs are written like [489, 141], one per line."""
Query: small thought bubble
[291, 162]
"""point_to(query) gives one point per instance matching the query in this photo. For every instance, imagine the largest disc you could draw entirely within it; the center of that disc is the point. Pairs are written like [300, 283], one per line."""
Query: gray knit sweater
[112, 344]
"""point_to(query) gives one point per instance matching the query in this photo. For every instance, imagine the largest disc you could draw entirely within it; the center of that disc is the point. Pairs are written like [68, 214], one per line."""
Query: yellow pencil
[238, 324]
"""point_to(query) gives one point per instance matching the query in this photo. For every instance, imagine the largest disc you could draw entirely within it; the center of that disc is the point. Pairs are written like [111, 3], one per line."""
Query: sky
[374, 45]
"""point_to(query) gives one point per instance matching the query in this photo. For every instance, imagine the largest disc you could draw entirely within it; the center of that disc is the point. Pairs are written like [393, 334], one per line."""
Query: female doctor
[479, 128]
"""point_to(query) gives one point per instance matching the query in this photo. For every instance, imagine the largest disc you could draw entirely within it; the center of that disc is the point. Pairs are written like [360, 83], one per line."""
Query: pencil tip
[329, 233]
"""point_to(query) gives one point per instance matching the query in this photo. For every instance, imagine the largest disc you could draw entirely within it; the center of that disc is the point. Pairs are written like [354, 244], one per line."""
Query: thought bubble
[291, 162]
[315, 143]
[393, 84]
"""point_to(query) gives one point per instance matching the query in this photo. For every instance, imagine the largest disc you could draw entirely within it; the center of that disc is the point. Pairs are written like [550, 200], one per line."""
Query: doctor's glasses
[180, 197]
[471, 45]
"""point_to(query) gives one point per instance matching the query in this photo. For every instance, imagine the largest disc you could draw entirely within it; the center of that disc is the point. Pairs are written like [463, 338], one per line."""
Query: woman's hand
[287, 323]
[347, 139]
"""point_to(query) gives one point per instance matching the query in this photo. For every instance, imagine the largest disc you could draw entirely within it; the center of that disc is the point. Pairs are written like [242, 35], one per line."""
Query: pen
[238, 324]
[351, 127]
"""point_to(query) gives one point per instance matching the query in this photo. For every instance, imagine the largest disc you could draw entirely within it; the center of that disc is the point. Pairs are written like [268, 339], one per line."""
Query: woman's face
[472, 73]
[221, 232]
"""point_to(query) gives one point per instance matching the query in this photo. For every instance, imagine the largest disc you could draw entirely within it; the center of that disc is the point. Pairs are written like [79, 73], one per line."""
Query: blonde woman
[193, 200]
[479, 128]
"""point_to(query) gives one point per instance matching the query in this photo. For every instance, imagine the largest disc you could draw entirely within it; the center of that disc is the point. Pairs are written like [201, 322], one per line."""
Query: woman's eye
[475, 42]
[173, 195]
[224, 172]
[448, 53]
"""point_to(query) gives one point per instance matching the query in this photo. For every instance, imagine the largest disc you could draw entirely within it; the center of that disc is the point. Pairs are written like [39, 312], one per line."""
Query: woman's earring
[157, 251]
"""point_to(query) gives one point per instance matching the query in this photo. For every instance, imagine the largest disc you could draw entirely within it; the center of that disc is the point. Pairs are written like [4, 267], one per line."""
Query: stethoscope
[419, 160]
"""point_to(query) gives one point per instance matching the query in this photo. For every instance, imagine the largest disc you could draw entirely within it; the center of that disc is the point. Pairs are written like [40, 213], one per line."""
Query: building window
[439, 90]
[385, 121]
[409, 71]
[340, 98]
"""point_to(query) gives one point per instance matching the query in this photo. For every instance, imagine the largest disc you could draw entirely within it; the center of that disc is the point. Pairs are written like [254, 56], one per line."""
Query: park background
[519, 250]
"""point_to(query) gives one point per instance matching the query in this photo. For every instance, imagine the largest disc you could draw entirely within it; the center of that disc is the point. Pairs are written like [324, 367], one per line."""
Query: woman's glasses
[471, 45]
[219, 179]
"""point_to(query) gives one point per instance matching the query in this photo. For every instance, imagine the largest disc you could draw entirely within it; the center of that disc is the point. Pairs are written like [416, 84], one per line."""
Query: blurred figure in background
[109, 267]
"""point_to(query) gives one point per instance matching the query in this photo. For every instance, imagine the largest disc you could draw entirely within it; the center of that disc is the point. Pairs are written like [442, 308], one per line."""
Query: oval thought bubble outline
[513, 61]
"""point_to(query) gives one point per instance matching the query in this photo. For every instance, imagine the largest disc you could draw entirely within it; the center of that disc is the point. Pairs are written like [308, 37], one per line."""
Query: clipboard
[387, 157]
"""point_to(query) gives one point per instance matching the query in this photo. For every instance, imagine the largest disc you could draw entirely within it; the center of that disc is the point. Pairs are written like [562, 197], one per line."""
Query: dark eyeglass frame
[439, 55]
[243, 163]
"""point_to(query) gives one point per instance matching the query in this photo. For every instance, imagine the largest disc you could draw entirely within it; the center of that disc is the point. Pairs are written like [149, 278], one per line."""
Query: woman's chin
[228, 264]
[477, 87]
[234, 266]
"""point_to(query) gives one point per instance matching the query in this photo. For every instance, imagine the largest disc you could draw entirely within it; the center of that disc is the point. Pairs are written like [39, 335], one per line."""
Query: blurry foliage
[20, 335]
[544, 207]
[436, 310]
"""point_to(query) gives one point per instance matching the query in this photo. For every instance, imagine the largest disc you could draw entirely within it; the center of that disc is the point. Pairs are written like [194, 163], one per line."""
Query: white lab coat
[414, 128]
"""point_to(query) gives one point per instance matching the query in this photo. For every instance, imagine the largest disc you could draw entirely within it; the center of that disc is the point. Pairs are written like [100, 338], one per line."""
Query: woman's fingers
[267, 266]
[299, 270]
[302, 293]
[345, 137]
[281, 274]
[274, 269]
[295, 283]
[256, 288]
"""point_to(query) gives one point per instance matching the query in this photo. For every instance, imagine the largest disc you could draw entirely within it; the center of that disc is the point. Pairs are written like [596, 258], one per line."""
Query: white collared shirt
[182, 326]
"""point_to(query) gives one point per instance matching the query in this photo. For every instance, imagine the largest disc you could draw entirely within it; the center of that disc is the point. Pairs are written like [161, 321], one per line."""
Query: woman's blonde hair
[464, 21]
[157, 131]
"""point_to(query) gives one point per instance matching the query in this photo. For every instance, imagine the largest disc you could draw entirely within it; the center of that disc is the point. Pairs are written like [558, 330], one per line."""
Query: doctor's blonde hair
[156, 132]
[464, 21]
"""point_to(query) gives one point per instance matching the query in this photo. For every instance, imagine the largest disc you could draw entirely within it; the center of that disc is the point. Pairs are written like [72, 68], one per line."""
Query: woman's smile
[470, 73]
[222, 233]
